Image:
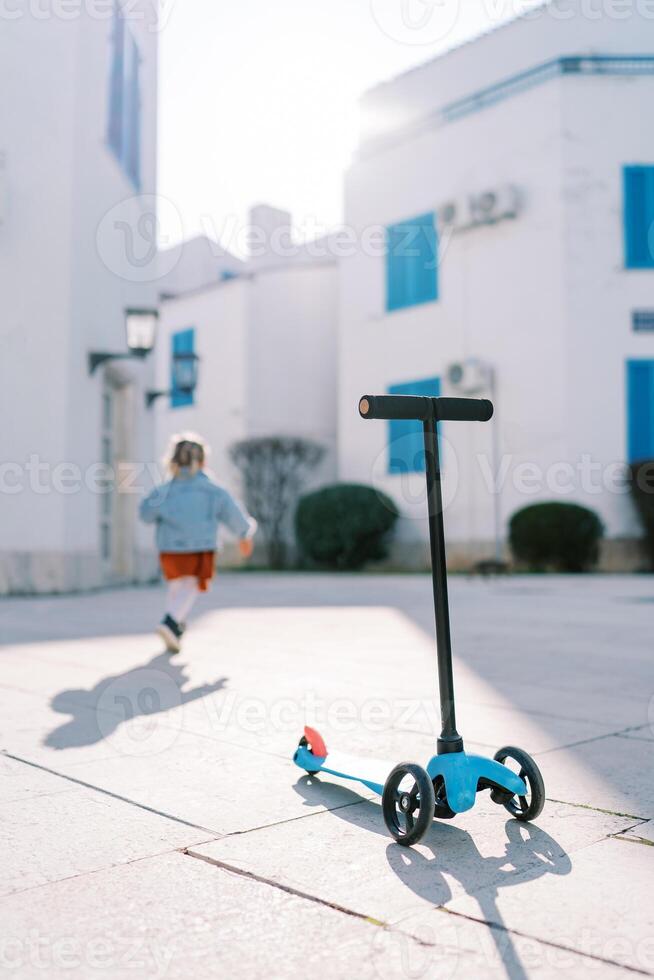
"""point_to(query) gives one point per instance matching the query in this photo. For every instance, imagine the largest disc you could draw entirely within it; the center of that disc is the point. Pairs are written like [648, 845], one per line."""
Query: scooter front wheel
[408, 803]
[521, 807]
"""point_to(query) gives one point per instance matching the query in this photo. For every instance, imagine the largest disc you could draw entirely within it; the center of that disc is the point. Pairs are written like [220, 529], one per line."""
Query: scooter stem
[450, 740]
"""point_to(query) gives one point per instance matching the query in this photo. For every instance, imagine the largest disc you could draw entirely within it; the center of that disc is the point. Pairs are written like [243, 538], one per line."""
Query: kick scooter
[413, 796]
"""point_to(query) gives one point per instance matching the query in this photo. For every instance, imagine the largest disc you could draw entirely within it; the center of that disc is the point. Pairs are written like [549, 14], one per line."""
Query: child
[188, 510]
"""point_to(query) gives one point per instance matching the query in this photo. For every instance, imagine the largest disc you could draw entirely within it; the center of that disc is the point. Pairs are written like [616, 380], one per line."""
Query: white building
[266, 341]
[502, 210]
[527, 157]
[194, 264]
[77, 250]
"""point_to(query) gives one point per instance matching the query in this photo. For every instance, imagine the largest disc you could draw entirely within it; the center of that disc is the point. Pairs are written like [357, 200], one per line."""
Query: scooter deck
[461, 773]
[371, 772]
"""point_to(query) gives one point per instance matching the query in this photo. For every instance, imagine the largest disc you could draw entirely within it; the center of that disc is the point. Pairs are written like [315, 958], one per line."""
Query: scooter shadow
[449, 854]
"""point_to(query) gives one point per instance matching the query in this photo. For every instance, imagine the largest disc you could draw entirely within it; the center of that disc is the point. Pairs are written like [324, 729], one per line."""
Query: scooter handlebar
[422, 408]
[464, 409]
[396, 407]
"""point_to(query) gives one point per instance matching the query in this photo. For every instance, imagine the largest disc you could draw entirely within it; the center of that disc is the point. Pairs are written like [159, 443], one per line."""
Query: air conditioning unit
[454, 214]
[469, 376]
[494, 205]
[485, 208]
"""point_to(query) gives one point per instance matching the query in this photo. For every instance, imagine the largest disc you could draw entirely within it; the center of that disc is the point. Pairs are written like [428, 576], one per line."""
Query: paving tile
[641, 832]
[569, 698]
[19, 782]
[643, 733]
[346, 855]
[176, 917]
[497, 952]
[86, 691]
[224, 788]
[610, 773]
[599, 908]
[47, 838]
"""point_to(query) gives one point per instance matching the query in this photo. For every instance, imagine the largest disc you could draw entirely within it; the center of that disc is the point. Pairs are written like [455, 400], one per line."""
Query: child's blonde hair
[187, 451]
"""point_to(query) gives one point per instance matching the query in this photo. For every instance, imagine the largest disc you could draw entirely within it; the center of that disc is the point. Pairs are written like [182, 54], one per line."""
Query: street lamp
[185, 376]
[140, 334]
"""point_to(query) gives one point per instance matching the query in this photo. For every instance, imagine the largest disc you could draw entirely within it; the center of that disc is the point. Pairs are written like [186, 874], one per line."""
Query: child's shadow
[529, 853]
[142, 691]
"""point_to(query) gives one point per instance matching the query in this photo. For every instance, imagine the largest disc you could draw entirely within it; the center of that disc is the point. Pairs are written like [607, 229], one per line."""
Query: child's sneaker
[171, 632]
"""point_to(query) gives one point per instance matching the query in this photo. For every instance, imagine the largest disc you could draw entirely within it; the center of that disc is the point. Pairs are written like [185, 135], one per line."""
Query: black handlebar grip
[396, 407]
[422, 408]
[464, 409]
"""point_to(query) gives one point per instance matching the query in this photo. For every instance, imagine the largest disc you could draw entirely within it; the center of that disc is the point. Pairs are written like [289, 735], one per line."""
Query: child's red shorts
[200, 564]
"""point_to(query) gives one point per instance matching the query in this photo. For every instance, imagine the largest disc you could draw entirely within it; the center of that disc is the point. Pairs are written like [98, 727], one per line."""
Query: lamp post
[185, 377]
[140, 335]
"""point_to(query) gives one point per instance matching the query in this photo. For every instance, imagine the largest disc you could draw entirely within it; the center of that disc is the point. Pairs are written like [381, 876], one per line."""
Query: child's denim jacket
[188, 511]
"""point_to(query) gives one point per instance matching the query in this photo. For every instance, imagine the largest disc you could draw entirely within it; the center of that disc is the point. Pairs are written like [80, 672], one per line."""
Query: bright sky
[259, 97]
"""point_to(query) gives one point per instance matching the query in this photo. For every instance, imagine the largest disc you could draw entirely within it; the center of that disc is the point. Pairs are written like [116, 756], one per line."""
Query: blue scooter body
[460, 771]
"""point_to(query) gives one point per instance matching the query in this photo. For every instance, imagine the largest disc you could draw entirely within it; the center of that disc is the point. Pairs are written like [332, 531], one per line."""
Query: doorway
[117, 505]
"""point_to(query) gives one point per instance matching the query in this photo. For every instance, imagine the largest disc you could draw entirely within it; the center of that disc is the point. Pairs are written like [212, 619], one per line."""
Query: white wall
[99, 184]
[544, 298]
[601, 293]
[219, 412]
[292, 356]
[65, 280]
[34, 266]
[556, 29]
[267, 348]
[491, 302]
[194, 264]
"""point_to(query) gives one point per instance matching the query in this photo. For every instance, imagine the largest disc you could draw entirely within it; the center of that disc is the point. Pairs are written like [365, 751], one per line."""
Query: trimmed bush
[560, 536]
[345, 525]
[642, 492]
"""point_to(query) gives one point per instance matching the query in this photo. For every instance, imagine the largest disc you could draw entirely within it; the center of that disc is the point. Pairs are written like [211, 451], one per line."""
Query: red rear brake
[315, 741]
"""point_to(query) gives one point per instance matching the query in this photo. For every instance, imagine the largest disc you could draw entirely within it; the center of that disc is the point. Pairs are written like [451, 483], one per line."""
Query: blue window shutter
[426, 269]
[640, 410]
[117, 83]
[182, 342]
[411, 262]
[406, 449]
[638, 193]
[124, 125]
[394, 270]
[132, 154]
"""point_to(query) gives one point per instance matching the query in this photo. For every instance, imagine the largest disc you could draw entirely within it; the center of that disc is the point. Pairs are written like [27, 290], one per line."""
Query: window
[411, 262]
[183, 342]
[638, 182]
[642, 320]
[640, 410]
[124, 128]
[406, 447]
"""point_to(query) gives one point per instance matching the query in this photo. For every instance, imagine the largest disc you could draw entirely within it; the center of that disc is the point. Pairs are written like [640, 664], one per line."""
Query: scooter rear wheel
[408, 803]
[303, 744]
[521, 807]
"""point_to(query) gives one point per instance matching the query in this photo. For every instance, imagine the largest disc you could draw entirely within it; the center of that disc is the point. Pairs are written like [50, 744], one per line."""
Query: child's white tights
[182, 593]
